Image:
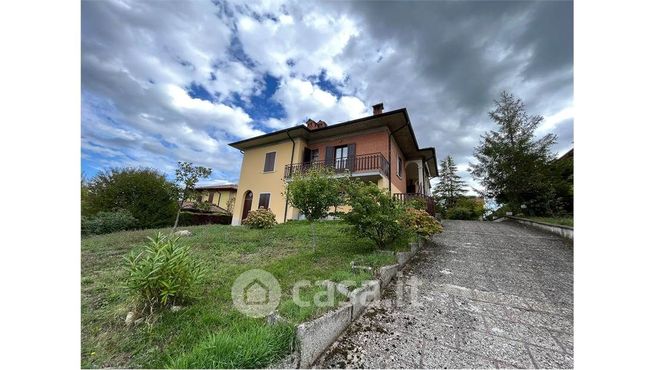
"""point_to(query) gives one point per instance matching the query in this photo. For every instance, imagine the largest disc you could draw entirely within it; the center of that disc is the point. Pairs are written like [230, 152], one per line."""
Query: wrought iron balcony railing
[354, 164]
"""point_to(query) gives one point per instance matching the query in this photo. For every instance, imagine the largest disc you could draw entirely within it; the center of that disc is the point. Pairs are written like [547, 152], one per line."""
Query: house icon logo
[256, 293]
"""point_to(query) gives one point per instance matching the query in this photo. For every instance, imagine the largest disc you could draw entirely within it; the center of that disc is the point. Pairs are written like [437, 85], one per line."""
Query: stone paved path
[486, 295]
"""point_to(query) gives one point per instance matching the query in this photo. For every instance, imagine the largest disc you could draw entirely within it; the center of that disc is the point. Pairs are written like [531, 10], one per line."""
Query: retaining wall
[314, 337]
[561, 230]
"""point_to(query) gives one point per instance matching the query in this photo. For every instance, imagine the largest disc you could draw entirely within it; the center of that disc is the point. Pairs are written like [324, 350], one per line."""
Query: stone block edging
[561, 230]
[314, 337]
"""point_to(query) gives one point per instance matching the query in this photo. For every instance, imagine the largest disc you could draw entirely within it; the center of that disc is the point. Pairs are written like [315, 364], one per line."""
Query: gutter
[389, 149]
[293, 150]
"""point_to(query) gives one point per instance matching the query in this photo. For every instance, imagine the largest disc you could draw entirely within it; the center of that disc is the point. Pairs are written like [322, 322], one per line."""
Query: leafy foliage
[186, 178]
[163, 273]
[314, 191]
[144, 193]
[450, 186]
[466, 208]
[108, 222]
[420, 222]
[260, 219]
[417, 203]
[375, 214]
[512, 166]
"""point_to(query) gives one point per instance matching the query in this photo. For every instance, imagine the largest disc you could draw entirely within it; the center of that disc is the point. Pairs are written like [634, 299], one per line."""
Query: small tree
[313, 192]
[186, 178]
[450, 186]
[374, 214]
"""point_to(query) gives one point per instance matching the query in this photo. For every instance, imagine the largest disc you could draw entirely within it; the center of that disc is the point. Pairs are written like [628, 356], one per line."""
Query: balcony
[430, 204]
[359, 165]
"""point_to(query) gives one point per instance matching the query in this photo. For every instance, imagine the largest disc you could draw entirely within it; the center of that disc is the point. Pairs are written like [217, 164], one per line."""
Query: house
[217, 199]
[380, 148]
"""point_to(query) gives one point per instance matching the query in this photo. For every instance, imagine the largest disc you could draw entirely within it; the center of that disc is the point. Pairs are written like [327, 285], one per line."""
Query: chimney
[312, 125]
[378, 108]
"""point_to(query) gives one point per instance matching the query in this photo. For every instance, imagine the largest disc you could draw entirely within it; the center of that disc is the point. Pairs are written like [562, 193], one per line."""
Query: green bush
[108, 222]
[417, 203]
[374, 214]
[146, 193]
[466, 209]
[420, 222]
[163, 273]
[260, 219]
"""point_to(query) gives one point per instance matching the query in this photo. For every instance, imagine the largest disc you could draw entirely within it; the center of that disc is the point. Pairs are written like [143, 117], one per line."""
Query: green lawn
[566, 221]
[210, 332]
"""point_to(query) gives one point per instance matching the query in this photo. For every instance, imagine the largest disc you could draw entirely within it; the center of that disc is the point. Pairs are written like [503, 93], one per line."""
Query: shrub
[466, 209]
[420, 222]
[108, 222]
[374, 215]
[260, 219]
[146, 193]
[417, 203]
[163, 273]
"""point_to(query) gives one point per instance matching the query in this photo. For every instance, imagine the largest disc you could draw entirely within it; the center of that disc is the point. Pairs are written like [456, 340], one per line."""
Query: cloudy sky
[164, 81]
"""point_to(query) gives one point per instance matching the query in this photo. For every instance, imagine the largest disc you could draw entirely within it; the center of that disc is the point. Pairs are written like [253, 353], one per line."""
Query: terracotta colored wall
[376, 141]
[366, 143]
[398, 184]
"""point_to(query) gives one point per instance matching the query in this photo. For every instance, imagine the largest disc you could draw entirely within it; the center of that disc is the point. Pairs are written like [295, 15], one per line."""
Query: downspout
[293, 150]
[389, 154]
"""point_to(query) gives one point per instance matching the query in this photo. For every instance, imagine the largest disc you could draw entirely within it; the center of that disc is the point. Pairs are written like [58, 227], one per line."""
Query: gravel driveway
[485, 295]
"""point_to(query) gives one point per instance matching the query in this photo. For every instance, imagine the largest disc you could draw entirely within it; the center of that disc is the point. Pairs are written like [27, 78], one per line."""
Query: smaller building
[219, 199]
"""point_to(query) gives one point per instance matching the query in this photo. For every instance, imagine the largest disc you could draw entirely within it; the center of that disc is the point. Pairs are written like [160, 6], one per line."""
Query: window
[399, 169]
[269, 163]
[211, 197]
[264, 200]
[314, 155]
[341, 157]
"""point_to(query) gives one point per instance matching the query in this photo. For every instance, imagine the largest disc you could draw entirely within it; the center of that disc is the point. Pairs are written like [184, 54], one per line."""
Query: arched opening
[247, 204]
[411, 174]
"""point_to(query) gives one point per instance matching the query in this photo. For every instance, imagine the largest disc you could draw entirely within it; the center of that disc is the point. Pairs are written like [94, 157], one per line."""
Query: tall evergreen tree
[512, 165]
[450, 186]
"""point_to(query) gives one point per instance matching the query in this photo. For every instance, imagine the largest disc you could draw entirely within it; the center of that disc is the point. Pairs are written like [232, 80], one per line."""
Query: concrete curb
[314, 337]
[561, 230]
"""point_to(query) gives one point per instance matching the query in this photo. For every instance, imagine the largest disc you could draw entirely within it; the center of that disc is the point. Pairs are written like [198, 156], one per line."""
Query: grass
[210, 333]
[566, 221]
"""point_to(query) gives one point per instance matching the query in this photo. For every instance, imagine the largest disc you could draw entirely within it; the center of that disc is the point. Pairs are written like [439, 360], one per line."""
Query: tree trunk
[313, 237]
[177, 218]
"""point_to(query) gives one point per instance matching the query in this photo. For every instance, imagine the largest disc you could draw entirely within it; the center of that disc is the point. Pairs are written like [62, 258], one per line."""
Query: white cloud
[445, 62]
[302, 99]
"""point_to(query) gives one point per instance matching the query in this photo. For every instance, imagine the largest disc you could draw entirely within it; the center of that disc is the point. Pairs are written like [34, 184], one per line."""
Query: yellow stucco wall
[221, 197]
[253, 178]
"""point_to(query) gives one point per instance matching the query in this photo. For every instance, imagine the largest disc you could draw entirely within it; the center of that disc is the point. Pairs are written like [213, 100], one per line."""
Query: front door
[247, 204]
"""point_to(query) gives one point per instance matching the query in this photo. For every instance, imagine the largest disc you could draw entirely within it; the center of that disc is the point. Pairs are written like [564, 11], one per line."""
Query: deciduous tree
[186, 178]
[313, 192]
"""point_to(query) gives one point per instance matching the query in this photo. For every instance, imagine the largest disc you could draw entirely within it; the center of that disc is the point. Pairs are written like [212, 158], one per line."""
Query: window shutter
[329, 156]
[350, 164]
[264, 200]
[269, 163]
